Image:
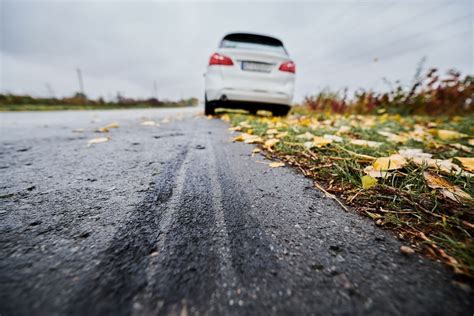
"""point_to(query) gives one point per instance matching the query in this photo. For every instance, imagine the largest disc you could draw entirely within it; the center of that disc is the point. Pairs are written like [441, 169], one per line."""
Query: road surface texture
[176, 219]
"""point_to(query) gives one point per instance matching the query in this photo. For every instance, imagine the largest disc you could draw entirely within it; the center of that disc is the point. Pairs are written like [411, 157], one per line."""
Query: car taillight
[217, 59]
[288, 66]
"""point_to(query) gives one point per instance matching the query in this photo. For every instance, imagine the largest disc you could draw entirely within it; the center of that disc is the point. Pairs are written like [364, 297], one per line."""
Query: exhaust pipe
[223, 98]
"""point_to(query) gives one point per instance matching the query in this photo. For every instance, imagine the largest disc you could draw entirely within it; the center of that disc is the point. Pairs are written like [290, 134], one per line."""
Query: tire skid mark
[143, 302]
[121, 273]
[262, 281]
[183, 273]
[226, 271]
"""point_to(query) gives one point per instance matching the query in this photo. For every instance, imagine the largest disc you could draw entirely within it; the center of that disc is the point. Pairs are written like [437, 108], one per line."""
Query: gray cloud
[125, 46]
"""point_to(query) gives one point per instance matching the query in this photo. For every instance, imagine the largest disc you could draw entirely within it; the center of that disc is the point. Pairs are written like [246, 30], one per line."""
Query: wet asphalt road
[176, 220]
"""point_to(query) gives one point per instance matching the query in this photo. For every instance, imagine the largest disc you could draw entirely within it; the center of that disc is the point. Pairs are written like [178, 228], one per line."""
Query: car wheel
[209, 108]
[281, 111]
[253, 111]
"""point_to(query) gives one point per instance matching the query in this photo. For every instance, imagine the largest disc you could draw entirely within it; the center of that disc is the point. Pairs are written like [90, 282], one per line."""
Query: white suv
[250, 72]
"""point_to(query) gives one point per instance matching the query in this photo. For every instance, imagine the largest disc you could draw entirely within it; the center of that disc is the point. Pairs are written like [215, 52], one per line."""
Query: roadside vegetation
[404, 158]
[11, 102]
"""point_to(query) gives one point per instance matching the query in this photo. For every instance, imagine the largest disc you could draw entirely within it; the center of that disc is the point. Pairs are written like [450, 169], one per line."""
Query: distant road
[176, 219]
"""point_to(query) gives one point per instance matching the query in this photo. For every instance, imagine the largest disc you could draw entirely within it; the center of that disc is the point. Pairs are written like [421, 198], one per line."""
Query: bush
[431, 95]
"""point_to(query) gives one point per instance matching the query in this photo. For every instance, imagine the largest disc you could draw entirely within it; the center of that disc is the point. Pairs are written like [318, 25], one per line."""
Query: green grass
[402, 201]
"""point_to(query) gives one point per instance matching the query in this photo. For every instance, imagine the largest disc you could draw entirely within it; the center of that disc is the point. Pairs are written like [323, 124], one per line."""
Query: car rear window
[253, 42]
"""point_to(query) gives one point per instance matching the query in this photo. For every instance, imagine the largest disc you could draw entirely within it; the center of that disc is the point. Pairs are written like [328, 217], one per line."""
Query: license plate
[253, 66]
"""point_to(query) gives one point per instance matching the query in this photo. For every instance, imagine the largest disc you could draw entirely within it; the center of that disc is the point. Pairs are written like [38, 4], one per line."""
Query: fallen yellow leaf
[411, 153]
[305, 121]
[97, 140]
[445, 134]
[368, 182]
[248, 139]
[225, 118]
[271, 131]
[343, 129]
[393, 137]
[471, 141]
[461, 147]
[467, 163]
[321, 141]
[270, 143]
[245, 124]
[276, 164]
[393, 162]
[334, 138]
[369, 170]
[235, 129]
[112, 125]
[366, 143]
[446, 166]
[105, 129]
[307, 136]
[281, 135]
[102, 130]
[256, 150]
[447, 189]
[149, 123]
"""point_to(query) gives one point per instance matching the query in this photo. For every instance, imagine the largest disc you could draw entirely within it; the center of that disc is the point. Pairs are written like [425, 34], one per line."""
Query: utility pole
[155, 89]
[81, 83]
[49, 89]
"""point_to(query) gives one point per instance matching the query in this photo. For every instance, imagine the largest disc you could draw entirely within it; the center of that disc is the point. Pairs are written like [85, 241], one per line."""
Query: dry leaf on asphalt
[467, 163]
[78, 130]
[97, 140]
[248, 139]
[366, 143]
[406, 250]
[368, 182]
[447, 189]
[149, 123]
[445, 134]
[106, 128]
[235, 129]
[276, 164]
[256, 150]
[393, 162]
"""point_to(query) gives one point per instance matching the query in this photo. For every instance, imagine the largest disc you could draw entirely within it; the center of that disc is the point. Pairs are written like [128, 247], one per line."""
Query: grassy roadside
[410, 174]
[68, 107]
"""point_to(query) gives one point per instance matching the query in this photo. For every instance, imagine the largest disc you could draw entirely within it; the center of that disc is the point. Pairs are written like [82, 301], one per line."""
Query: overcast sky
[126, 46]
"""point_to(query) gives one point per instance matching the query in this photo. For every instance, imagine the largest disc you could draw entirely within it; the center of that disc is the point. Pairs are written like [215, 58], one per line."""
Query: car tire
[253, 111]
[209, 107]
[281, 111]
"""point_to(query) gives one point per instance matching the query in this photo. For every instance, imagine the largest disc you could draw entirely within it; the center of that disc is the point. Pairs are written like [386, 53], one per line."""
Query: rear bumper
[261, 88]
[249, 96]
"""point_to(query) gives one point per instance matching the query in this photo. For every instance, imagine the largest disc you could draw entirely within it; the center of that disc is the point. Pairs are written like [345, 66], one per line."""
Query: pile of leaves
[411, 174]
[430, 94]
